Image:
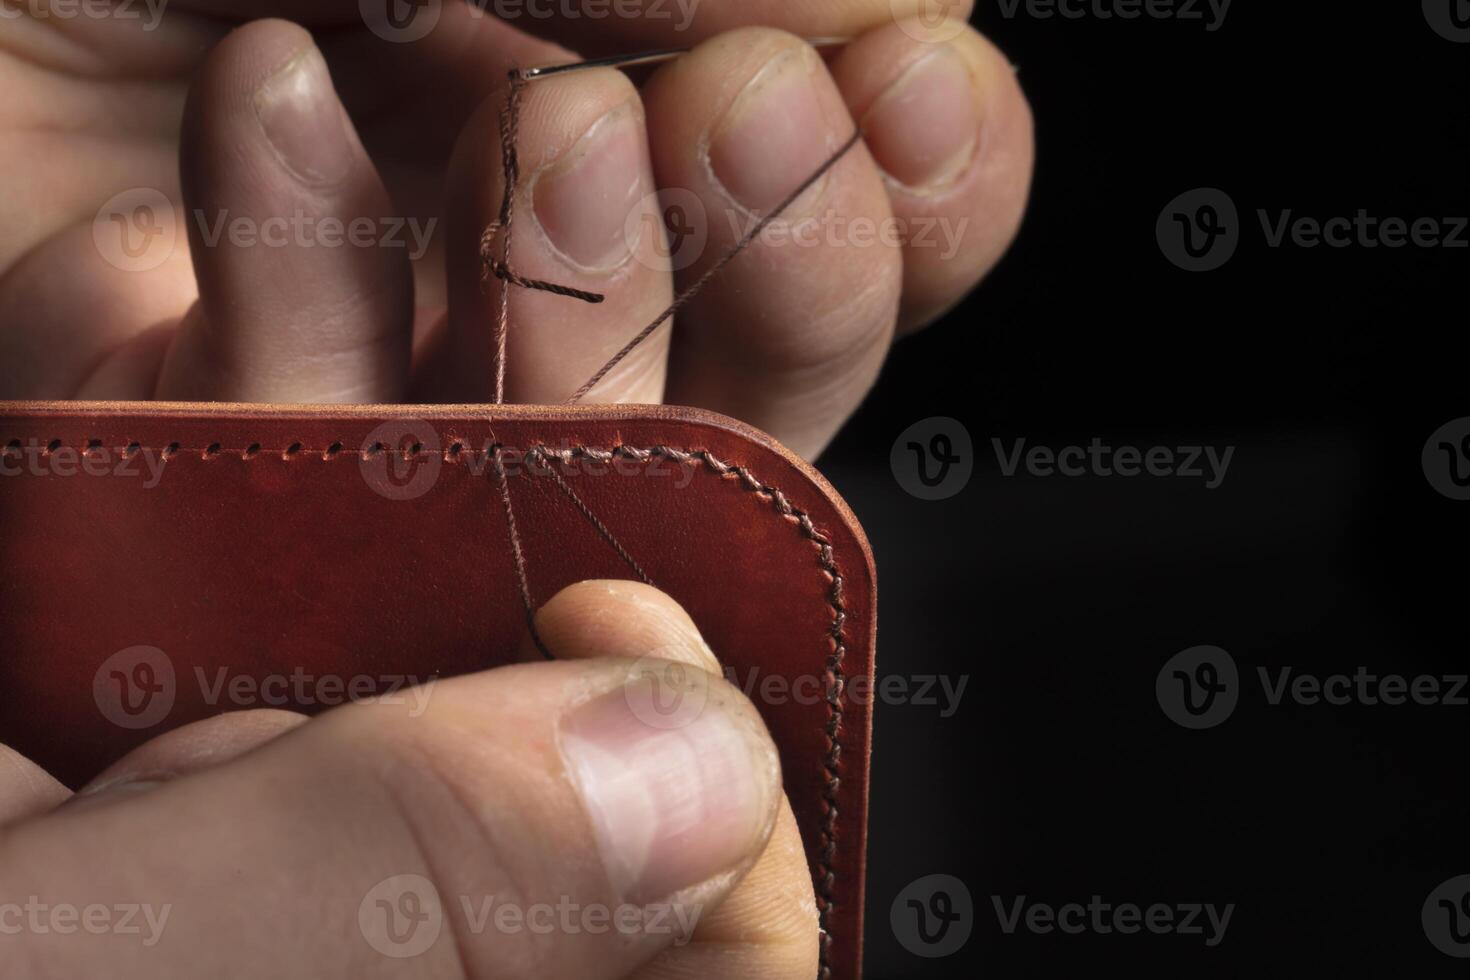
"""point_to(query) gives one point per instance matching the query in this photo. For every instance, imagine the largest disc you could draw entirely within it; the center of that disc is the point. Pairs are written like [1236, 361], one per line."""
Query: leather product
[152, 549]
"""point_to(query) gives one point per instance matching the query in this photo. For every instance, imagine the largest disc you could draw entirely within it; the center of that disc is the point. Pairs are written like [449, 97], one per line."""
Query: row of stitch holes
[93, 446]
[214, 449]
[291, 452]
[377, 448]
[251, 451]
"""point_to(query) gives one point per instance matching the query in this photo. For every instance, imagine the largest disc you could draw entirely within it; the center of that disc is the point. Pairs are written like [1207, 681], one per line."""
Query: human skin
[227, 116]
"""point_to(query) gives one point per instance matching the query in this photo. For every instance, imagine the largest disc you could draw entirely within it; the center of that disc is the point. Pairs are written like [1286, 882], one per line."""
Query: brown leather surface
[269, 542]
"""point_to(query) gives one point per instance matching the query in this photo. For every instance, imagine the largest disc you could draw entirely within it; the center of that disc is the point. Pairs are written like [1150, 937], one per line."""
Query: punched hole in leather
[153, 549]
[247, 540]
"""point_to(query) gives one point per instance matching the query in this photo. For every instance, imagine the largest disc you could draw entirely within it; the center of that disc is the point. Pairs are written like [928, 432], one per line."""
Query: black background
[1324, 549]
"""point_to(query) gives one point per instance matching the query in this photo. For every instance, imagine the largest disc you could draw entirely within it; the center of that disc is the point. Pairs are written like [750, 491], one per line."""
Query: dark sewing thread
[698, 284]
[500, 269]
[510, 121]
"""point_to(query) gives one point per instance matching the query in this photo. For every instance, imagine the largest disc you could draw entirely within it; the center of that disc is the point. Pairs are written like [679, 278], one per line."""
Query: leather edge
[611, 412]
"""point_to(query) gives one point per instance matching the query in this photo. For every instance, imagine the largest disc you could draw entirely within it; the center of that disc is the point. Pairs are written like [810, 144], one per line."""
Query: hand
[171, 188]
[527, 817]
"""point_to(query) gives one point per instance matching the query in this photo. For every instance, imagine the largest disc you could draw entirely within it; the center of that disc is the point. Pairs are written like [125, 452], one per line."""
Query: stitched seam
[834, 675]
[836, 685]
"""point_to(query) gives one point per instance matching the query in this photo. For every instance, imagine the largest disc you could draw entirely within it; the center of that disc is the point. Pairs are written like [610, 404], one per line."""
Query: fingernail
[678, 778]
[303, 121]
[924, 128]
[780, 129]
[583, 199]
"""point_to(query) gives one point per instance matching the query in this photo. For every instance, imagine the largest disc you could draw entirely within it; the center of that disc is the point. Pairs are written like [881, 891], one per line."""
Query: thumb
[541, 820]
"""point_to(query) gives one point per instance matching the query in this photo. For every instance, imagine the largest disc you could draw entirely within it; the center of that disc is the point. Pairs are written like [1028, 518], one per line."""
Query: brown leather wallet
[154, 553]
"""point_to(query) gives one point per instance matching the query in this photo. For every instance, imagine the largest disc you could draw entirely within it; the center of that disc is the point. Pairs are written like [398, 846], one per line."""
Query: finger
[791, 334]
[656, 24]
[411, 102]
[90, 251]
[620, 618]
[585, 217]
[948, 124]
[190, 748]
[26, 789]
[305, 290]
[537, 787]
[625, 26]
[767, 928]
[768, 925]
